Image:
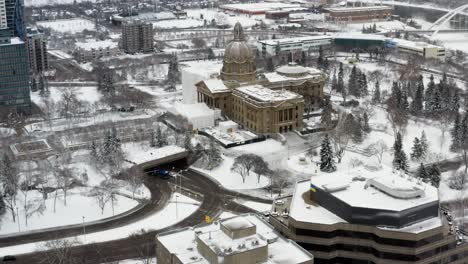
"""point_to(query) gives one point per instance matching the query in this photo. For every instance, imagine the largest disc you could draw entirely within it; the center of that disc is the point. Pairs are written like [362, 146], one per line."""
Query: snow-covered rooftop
[13, 41]
[283, 41]
[359, 8]
[413, 44]
[302, 209]
[216, 86]
[96, 44]
[293, 73]
[261, 7]
[183, 243]
[385, 195]
[263, 94]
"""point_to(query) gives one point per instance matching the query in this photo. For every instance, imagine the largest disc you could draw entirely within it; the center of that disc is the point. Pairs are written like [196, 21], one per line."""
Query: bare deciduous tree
[60, 251]
[377, 149]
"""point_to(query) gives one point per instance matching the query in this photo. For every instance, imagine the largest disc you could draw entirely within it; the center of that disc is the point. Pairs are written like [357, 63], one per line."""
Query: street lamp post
[18, 218]
[84, 228]
[176, 206]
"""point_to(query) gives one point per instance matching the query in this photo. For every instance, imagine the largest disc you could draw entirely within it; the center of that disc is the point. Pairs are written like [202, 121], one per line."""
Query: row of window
[369, 236]
[377, 253]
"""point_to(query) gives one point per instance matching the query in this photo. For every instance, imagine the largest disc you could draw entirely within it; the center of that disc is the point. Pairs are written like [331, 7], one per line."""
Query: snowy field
[70, 26]
[455, 41]
[78, 203]
[246, 20]
[179, 208]
[178, 23]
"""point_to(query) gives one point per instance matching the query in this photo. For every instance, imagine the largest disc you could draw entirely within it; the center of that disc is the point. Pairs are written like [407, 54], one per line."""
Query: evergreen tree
[152, 139]
[320, 60]
[416, 150]
[399, 159]
[340, 84]
[363, 88]
[353, 88]
[417, 103]
[456, 133]
[422, 174]
[94, 150]
[161, 139]
[454, 103]
[424, 145]
[327, 162]
[173, 73]
[366, 128]
[374, 28]
[326, 118]
[376, 97]
[428, 97]
[270, 66]
[277, 49]
[434, 175]
[334, 84]
[214, 155]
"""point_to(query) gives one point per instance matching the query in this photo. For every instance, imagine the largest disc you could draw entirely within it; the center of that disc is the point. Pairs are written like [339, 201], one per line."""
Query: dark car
[9, 258]
[164, 174]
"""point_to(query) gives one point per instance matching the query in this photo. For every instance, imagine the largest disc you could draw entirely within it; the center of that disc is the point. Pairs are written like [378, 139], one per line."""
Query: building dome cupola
[238, 62]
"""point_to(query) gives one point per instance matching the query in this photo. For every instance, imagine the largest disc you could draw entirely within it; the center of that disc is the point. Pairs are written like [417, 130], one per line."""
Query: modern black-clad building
[363, 216]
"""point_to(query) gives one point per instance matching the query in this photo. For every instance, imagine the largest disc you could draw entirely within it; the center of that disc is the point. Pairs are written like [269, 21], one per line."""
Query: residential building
[93, 49]
[358, 14]
[137, 36]
[369, 215]
[14, 74]
[269, 105]
[13, 14]
[422, 49]
[245, 239]
[274, 47]
[37, 51]
[3, 15]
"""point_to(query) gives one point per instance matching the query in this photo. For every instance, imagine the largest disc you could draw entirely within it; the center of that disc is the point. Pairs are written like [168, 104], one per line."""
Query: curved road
[215, 200]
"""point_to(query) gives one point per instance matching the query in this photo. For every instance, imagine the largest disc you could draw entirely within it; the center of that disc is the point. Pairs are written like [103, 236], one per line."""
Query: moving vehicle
[164, 174]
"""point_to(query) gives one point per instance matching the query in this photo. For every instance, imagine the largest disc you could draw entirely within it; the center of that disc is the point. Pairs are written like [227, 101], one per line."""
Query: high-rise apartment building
[13, 14]
[14, 70]
[14, 74]
[37, 51]
[137, 36]
[3, 16]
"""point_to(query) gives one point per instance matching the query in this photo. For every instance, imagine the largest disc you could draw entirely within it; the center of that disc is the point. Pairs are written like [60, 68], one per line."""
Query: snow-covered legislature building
[368, 217]
[274, 104]
[245, 239]
[194, 72]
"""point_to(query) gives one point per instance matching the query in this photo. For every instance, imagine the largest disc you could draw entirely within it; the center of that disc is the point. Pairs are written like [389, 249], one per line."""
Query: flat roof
[360, 8]
[413, 44]
[183, 242]
[96, 44]
[358, 193]
[277, 77]
[302, 209]
[283, 41]
[263, 94]
[261, 7]
[216, 86]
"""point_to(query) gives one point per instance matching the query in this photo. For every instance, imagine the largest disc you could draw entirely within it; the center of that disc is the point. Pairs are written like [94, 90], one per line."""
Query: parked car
[9, 258]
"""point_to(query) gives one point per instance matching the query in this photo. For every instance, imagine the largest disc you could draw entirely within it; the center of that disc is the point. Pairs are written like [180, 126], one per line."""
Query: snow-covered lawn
[71, 26]
[179, 208]
[232, 180]
[178, 23]
[209, 14]
[79, 205]
[54, 2]
[89, 94]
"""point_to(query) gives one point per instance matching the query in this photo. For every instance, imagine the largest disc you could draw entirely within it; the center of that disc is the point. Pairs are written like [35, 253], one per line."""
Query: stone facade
[271, 105]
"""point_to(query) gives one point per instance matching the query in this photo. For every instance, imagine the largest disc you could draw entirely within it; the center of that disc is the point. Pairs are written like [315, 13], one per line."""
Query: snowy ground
[455, 41]
[259, 207]
[209, 14]
[179, 208]
[78, 203]
[232, 180]
[70, 26]
[53, 2]
[5, 132]
[178, 23]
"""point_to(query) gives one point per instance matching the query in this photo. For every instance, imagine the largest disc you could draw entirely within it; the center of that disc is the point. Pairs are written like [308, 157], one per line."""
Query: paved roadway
[215, 200]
